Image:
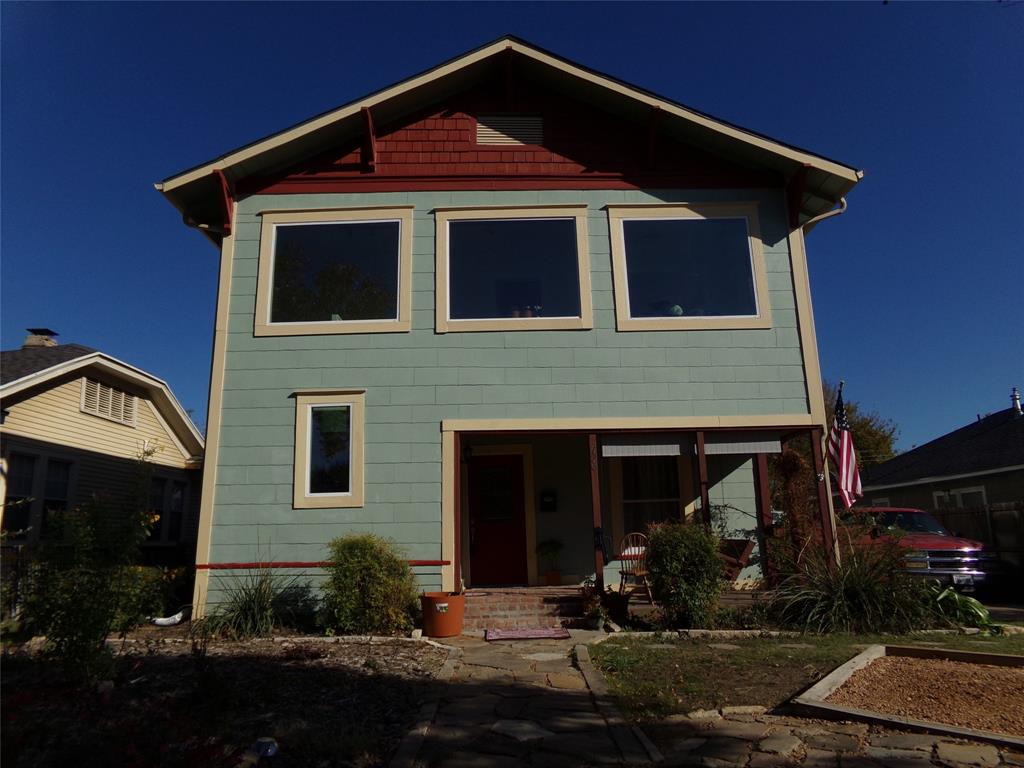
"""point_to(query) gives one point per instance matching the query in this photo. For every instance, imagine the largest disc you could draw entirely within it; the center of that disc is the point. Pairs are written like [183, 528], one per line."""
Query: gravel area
[977, 696]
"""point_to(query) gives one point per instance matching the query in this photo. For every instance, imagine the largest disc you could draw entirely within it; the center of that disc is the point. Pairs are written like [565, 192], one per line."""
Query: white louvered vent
[108, 402]
[509, 129]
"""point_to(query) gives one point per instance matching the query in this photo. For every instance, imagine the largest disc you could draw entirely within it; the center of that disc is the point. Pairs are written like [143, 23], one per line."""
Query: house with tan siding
[506, 301]
[75, 424]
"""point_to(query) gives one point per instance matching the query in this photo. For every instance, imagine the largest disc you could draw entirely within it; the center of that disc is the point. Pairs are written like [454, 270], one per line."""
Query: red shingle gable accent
[583, 147]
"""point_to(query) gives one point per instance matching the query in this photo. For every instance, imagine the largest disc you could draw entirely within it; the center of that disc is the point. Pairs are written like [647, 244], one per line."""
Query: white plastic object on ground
[170, 621]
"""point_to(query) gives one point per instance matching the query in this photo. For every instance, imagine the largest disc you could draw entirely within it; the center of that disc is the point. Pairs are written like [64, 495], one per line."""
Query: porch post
[702, 469]
[595, 501]
[824, 501]
[765, 523]
[458, 512]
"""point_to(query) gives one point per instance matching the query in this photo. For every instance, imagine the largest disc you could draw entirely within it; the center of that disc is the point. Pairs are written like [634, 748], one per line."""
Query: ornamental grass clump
[865, 593]
[370, 587]
[258, 602]
[685, 573]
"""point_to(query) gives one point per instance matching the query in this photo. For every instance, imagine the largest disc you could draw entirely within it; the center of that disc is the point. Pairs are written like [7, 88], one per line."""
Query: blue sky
[916, 288]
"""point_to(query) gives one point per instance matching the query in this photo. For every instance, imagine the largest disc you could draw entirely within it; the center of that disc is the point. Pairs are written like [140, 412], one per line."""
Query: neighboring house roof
[18, 363]
[993, 443]
[25, 371]
[199, 193]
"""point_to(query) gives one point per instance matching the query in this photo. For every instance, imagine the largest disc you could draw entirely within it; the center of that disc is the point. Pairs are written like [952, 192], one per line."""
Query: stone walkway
[522, 703]
[525, 703]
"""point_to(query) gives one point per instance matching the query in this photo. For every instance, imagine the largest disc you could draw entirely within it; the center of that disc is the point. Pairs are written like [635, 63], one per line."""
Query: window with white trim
[167, 500]
[961, 498]
[341, 271]
[512, 269]
[688, 266]
[108, 402]
[329, 449]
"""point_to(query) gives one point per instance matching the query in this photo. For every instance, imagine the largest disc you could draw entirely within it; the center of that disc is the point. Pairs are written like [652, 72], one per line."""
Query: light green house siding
[414, 380]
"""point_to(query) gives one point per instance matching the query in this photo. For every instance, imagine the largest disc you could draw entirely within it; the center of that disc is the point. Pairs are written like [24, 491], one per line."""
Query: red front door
[497, 521]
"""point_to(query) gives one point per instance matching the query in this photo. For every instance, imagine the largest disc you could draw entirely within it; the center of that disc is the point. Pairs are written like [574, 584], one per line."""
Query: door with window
[497, 520]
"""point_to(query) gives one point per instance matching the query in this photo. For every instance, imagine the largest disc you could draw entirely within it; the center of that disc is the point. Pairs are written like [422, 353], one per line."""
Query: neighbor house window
[688, 266]
[108, 402]
[329, 449]
[335, 272]
[512, 269]
[21, 471]
[167, 501]
[961, 498]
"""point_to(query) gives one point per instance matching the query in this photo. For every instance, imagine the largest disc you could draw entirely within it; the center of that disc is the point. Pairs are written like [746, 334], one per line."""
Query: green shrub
[685, 573]
[865, 593]
[957, 609]
[83, 583]
[259, 602]
[370, 588]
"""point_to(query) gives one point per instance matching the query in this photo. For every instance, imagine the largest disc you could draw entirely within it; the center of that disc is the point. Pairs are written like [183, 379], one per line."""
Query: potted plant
[548, 552]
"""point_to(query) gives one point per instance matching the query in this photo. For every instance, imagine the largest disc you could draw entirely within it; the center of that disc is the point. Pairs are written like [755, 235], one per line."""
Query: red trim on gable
[583, 148]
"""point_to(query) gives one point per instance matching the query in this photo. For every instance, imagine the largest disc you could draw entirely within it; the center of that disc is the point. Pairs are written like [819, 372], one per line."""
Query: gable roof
[995, 442]
[199, 195]
[18, 363]
[36, 368]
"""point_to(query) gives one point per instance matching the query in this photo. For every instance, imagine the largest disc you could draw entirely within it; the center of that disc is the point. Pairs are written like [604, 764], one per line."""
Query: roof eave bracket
[368, 154]
[228, 198]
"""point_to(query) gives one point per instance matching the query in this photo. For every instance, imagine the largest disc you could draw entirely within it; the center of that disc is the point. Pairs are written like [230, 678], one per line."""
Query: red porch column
[595, 501]
[765, 523]
[702, 470]
[824, 502]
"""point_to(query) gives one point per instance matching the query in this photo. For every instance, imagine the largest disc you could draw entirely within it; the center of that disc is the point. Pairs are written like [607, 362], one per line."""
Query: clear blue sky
[917, 289]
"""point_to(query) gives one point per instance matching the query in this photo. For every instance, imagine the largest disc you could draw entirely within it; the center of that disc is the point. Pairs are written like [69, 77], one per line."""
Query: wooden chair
[735, 553]
[633, 562]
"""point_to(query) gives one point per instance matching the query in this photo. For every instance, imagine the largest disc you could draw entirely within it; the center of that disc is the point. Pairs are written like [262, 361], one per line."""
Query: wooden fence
[999, 526]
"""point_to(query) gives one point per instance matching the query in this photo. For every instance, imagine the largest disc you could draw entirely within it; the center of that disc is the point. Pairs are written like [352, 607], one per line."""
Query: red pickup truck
[932, 551]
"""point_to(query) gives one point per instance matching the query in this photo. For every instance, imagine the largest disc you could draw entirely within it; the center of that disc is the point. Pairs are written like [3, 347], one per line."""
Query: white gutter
[940, 478]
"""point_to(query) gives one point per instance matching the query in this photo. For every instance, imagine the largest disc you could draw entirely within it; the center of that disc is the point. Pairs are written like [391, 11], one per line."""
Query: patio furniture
[735, 553]
[633, 562]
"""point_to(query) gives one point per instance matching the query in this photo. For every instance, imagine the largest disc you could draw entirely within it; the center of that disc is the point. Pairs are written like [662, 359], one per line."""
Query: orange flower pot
[442, 613]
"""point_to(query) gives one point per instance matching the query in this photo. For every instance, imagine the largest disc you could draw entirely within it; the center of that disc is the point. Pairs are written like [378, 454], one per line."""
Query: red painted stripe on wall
[294, 564]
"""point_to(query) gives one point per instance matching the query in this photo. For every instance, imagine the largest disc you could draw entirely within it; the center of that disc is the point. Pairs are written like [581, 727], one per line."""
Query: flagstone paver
[526, 703]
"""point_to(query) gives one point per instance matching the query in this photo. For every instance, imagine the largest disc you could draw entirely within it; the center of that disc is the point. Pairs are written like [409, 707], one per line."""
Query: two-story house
[505, 301]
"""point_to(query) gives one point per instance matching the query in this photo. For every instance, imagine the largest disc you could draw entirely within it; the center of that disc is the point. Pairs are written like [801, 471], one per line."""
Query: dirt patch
[325, 703]
[977, 696]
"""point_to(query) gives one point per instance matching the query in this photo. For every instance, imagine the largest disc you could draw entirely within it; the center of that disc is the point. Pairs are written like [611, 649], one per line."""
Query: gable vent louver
[509, 129]
[107, 402]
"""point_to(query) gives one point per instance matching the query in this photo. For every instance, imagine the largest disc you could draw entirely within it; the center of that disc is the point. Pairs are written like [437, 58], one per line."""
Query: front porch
[550, 507]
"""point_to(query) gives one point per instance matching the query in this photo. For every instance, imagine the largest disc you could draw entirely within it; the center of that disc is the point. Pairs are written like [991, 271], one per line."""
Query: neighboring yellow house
[74, 423]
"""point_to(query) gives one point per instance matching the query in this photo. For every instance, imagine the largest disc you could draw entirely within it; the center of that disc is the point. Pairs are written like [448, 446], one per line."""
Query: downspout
[827, 214]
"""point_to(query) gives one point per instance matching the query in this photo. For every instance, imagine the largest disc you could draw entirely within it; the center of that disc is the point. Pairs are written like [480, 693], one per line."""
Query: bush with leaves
[83, 580]
[370, 587]
[957, 609]
[866, 592]
[685, 572]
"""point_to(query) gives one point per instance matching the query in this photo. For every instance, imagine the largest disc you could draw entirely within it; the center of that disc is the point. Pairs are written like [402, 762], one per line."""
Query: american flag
[844, 459]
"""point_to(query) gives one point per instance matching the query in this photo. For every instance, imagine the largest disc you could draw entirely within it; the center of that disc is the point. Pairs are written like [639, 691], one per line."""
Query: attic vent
[509, 129]
[108, 402]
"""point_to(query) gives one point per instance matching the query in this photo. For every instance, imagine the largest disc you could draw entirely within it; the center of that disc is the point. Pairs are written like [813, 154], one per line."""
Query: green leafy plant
[866, 592]
[83, 578]
[685, 572]
[956, 608]
[370, 587]
[258, 602]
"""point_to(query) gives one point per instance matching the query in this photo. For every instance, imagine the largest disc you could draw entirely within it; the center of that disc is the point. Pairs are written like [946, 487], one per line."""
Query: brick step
[561, 609]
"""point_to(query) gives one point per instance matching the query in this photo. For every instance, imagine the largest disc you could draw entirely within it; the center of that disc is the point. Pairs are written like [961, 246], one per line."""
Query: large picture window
[512, 269]
[688, 266]
[335, 272]
[329, 449]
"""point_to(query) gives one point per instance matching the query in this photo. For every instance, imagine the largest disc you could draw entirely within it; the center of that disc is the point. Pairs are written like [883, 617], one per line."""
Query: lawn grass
[654, 677]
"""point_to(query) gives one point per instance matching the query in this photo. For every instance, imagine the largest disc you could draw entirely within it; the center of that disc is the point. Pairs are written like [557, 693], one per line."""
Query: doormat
[526, 634]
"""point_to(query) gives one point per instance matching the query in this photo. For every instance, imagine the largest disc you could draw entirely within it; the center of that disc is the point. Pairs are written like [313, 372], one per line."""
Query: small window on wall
[650, 491]
[56, 494]
[167, 501]
[329, 449]
[327, 272]
[512, 269]
[678, 267]
[961, 498]
[21, 470]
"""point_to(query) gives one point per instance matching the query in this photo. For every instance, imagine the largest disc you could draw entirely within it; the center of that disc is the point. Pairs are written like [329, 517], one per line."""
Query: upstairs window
[108, 402]
[512, 269]
[335, 272]
[678, 267]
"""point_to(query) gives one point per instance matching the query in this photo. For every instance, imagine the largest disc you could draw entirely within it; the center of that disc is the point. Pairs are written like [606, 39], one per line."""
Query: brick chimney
[40, 337]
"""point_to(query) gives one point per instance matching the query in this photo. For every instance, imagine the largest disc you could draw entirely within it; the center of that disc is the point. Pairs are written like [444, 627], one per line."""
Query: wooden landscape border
[813, 700]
